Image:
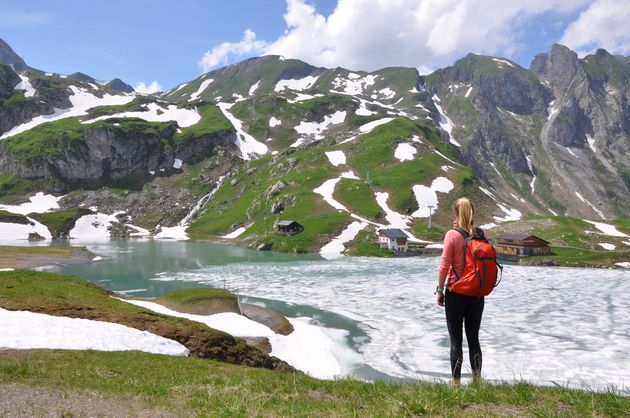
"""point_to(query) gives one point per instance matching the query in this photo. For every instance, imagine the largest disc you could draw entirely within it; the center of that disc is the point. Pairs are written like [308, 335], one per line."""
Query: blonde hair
[464, 211]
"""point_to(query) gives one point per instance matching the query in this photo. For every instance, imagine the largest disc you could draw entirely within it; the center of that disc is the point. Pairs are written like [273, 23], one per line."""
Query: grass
[13, 218]
[62, 295]
[194, 387]
[203, 301]
[212, 121]
[38, 250]
[577, 257]
[60, 222]
[359, 198]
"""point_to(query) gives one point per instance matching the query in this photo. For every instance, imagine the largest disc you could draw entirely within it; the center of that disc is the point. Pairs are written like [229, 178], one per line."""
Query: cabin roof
[286, 223]
[393, 233]
[520, 237]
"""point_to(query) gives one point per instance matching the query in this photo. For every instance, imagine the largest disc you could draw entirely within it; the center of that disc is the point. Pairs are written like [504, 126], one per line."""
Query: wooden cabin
[393, 239]
[289, 227]
[516, 246]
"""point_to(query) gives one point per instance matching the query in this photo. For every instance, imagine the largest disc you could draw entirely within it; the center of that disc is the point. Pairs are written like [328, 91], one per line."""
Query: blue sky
[173, 42]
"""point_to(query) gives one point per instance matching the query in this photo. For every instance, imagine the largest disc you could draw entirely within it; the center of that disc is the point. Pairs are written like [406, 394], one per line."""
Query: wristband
[438, 289]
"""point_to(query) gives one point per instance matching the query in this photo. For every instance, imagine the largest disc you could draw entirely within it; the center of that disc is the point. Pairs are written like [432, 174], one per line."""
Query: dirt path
[25, 401]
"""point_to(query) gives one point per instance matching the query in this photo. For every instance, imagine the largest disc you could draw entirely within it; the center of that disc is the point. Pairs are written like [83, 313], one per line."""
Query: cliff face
[557, 134]
[107, 152]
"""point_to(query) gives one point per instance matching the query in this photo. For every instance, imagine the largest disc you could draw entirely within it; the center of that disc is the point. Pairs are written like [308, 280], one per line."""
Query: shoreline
[31, 257]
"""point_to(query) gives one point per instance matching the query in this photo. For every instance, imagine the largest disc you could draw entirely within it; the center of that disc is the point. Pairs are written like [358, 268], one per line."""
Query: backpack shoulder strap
[466, 236]
[462, 231]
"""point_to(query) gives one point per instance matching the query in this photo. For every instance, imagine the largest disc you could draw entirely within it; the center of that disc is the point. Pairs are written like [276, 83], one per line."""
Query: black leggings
[467, 310]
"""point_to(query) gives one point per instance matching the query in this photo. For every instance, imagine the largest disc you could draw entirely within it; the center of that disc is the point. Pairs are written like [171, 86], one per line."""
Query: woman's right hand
[439, 297]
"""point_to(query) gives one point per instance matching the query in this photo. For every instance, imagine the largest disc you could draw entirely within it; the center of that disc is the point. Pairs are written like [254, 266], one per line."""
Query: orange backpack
[481, 269]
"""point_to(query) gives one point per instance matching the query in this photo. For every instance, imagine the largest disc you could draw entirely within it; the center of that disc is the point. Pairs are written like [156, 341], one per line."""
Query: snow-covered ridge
[81, 99]
[156, 113]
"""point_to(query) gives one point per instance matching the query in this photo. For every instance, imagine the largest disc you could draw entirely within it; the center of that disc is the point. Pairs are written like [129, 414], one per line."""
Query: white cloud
[154, 87]
[426, 34]
[367, 35]
[249, 45]
[603, 25]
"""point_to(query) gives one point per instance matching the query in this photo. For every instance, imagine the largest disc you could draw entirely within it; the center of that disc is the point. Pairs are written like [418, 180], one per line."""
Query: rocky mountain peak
[82, 77]
[8, 56]
[119, 86]
[556, 67]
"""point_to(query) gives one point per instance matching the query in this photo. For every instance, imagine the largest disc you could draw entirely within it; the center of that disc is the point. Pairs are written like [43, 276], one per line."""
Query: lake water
[549, 326]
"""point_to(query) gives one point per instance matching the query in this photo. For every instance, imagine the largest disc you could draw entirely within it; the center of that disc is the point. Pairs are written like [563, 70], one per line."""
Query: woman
[460, 309]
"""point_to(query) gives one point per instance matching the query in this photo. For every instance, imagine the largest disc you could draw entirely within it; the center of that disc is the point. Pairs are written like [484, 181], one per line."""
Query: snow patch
[336, 157]
[607, 229]
[156, 113]
[591, 142]
[388, 93]
[245, 142]
[354, 85]
[296, 84]
[599, 212]
[500, 62]
[336, 247]
[236, 233]
[307, 348]
[370, 126]
[202, 87]
[253, 88]
[511, 214]
[468, 91]
[531, 170]
[445, 122]
[607, 246]
[273, 122]
[395, 219]
[81, 101]
[316, 129]
[624, 264]
[405, 152]
[25, 84]
[38, 203]
[177, 164]
[58, 332]
[427, 196]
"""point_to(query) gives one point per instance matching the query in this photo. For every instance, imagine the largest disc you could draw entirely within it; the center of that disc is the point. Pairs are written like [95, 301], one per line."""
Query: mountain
[343, 152]
[9, 57]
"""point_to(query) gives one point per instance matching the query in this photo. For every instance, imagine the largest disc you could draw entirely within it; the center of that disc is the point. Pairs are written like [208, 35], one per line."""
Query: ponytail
[464, 211]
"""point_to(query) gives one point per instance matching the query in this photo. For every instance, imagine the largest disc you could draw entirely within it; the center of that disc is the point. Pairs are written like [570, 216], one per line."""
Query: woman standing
[460, 309]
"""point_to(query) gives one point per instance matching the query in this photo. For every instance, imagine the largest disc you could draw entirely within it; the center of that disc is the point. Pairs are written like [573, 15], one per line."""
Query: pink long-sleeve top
[452, 253]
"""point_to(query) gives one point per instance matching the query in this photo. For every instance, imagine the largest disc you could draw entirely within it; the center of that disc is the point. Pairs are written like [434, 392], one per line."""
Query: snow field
[156, 113]
[28, 330]
[607, 229]
[307, 348]
[81, 100]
